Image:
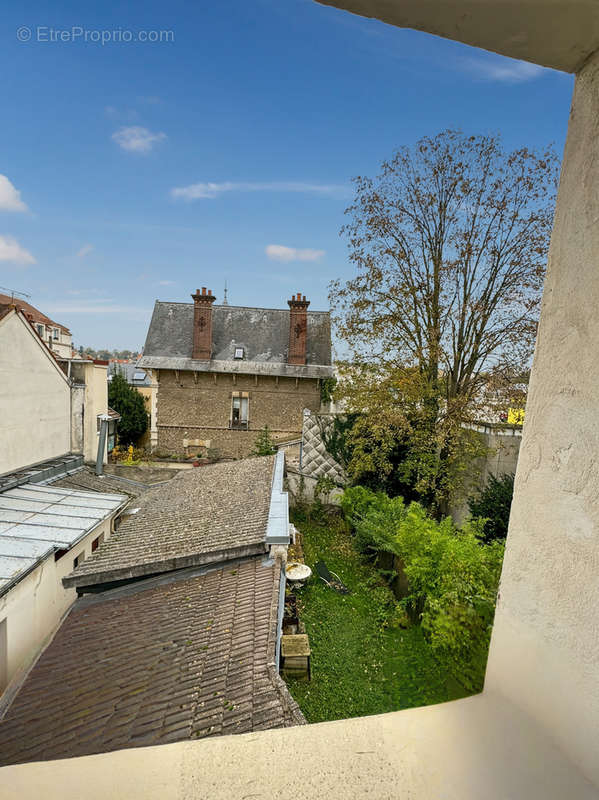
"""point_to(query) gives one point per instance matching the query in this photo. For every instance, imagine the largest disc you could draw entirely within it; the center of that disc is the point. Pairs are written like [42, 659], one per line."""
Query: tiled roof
[37, 520]
[203, 515]
[87, 480]
[162, 660]
[263, 333]
[27, 308]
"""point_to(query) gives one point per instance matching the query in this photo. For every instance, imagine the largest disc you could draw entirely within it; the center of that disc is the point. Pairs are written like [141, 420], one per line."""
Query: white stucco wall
[89, 398]
[35, 605]
[77, 416]
[545, 646]
[96, 402]
[480, 748]
[34, 398]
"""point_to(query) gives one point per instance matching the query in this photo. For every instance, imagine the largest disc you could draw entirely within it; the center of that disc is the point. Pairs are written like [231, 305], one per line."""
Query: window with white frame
[240, 411]
[239, 352]
[55, 334]
[40, 329]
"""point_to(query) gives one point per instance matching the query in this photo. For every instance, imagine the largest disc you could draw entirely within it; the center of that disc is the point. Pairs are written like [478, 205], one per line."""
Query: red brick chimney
[202, 324]
[298, 328]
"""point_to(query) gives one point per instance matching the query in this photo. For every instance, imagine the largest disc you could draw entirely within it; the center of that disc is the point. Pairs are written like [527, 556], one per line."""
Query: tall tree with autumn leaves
[450, 245]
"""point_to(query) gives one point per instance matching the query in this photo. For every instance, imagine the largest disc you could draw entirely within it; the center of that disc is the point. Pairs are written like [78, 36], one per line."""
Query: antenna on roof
[13, 292]
[225, 301]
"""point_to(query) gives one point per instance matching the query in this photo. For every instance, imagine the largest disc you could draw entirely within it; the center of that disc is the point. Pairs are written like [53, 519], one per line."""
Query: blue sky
[143, 170]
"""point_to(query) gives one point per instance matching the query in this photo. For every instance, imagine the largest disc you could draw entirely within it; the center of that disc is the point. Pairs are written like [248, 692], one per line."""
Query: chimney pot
[203, 290]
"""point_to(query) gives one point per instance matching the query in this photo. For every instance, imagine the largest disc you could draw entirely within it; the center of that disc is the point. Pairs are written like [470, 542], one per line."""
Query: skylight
[238, 352]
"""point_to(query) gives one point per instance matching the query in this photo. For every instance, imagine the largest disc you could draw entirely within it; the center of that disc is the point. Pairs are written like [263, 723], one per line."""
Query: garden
[414, 628]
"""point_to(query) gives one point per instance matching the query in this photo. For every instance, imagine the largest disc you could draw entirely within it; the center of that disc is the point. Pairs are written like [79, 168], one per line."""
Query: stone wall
[197, 406]
[503, 443]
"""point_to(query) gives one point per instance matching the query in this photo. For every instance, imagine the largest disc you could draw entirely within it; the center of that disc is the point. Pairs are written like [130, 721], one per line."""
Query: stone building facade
[224, 372]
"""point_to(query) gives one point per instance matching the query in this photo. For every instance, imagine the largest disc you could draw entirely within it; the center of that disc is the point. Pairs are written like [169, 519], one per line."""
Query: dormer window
[238, 352]
[55, 334]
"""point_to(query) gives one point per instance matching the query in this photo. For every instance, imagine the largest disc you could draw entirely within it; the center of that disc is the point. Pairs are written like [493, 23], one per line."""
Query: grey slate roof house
[225, 372]
[177, 631]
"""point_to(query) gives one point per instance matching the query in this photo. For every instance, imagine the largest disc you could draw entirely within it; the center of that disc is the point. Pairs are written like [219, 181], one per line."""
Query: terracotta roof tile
[177, 657]
[27, 308]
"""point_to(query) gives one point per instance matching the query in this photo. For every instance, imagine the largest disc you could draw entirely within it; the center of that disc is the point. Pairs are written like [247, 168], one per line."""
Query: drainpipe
[102, 443]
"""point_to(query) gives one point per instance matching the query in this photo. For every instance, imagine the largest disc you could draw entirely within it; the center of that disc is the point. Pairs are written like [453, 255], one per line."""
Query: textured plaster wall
[202, 410]
[479, 748]
[545, 645]
[35, 404]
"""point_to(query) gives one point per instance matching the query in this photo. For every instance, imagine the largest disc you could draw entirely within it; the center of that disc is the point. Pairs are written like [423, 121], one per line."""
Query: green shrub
[355, 503]
[493, 506]
[375, 529]
[264, 446]
[453, 575]
[130, 404]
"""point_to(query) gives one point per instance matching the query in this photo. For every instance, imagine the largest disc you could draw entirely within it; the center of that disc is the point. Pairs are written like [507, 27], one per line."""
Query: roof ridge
[232, 307]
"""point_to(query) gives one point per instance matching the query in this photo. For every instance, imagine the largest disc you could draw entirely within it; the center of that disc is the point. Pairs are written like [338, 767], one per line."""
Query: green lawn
[360, 664]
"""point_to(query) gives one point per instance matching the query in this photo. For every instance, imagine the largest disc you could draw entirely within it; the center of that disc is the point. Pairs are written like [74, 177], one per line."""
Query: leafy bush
[493, 506]
[453, 575]
[355, 502]
[375, 531]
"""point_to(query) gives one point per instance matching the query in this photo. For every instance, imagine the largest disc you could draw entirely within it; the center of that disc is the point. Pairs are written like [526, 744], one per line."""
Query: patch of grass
[361, 664]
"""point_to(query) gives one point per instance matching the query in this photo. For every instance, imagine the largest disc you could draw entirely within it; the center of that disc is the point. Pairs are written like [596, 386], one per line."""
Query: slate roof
[37, 520]
[133, 374]
[162, 660]
[203, 515]
[263, 333]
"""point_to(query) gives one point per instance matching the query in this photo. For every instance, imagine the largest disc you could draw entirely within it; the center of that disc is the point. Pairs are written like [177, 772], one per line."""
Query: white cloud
[196, 191]
[136, 139]
[85, 250]
[10, 198]
[278, 252]
[502, 69]
[11, 250]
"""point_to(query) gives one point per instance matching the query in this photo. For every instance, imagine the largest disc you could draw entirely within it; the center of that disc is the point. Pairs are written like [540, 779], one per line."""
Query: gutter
[280, 615]
[277, 527]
